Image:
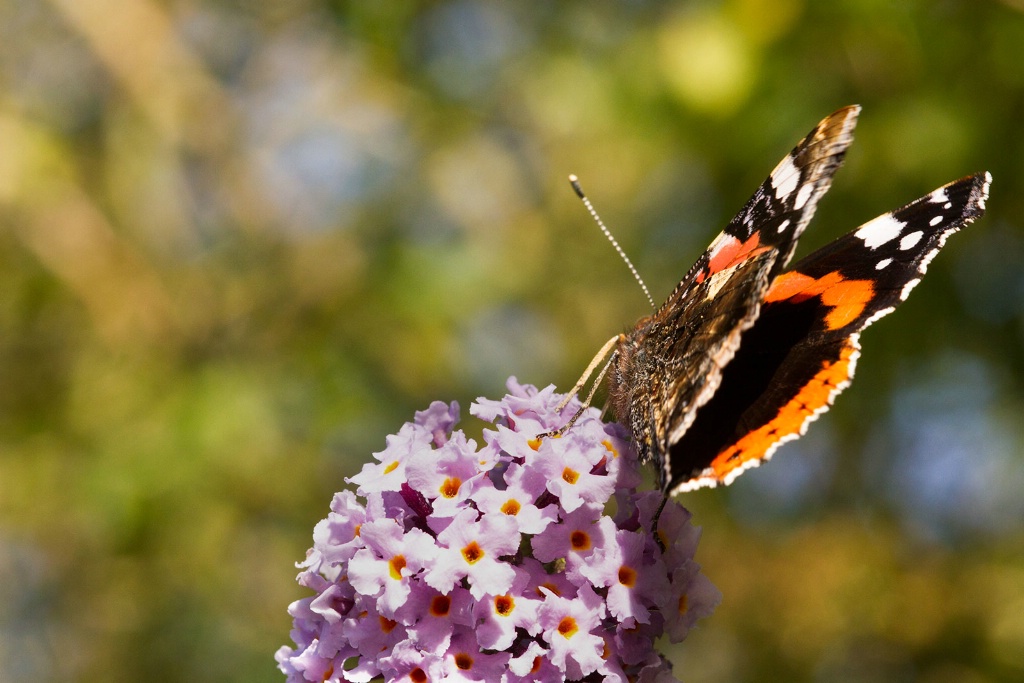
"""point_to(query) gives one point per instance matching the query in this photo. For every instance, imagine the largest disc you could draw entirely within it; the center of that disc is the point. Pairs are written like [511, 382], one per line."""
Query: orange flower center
[473, 552]
[397, 564]
[580, 540]
[511, 507]
[504, 604]
[570, 475]
[627, 576]
[440, 605]
[450, 487]
[567, 627]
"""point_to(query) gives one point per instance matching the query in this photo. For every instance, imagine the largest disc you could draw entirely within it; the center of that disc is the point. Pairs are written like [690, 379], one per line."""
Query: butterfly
[745, 353]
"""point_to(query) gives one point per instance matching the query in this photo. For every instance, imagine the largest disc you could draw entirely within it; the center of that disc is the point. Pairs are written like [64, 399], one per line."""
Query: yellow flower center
[397, 564]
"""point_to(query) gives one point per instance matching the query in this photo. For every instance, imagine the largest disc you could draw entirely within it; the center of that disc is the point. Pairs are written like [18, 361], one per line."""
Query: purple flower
[449, 478]
[385, 568]
[499, 618]
[572, 626]
[497, 563]
[473, 551]
[518, 500]
[632, 584]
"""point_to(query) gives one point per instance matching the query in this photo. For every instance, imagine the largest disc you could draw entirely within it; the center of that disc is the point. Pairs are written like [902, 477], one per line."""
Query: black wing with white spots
[802, 350]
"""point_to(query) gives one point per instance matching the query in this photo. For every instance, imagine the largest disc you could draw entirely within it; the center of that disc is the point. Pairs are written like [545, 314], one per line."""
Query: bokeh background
[242, 242]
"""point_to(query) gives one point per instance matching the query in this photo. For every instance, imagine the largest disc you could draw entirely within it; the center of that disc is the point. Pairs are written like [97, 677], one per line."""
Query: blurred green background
[242, 242]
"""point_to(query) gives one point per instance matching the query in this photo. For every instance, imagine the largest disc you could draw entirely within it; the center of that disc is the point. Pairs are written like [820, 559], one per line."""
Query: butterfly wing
[801, 351]
[670, 364]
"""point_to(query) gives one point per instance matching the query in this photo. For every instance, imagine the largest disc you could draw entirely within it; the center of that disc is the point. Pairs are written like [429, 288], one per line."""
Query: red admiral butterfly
[744, 354]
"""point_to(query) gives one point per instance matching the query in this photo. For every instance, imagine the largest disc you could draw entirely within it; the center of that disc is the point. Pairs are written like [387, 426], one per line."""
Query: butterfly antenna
[575, 182]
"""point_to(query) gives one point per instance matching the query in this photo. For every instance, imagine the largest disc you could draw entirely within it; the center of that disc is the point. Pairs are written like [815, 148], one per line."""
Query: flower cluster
[500, 563]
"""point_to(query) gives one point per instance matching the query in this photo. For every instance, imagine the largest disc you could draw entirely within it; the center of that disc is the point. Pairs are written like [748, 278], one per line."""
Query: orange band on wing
[733, 252]
[791, 285]
[791, 417]
[846, 298]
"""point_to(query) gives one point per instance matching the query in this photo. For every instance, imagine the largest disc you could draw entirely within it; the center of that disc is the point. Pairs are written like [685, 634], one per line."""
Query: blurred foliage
[242, 242]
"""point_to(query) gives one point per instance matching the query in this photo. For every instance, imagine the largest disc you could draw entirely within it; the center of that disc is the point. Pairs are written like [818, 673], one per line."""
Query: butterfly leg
[657, 516]
[579, 385]
[586, 404]
[605, 350]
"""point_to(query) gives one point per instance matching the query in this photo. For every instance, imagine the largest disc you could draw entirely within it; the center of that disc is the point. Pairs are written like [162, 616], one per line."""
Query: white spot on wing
[938, 196]
[935, 221]
[783, 225]
[883, 263]
[910, 240]
[785, 178]
[803, 195]
[880, 230]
